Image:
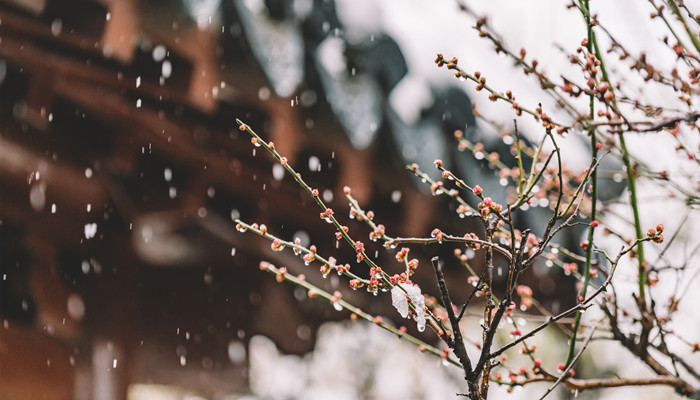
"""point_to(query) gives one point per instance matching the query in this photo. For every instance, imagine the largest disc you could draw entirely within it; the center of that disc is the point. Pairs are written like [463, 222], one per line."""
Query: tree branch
[457, 343]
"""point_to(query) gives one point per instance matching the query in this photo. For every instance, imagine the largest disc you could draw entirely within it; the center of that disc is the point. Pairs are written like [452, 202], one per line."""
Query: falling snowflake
[90, 230]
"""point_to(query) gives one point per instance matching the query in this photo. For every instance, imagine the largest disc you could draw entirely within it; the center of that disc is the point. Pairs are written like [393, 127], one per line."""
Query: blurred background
[122, 169]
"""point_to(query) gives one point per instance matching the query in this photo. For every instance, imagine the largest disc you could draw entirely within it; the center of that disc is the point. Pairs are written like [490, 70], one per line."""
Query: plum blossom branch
[281, 275]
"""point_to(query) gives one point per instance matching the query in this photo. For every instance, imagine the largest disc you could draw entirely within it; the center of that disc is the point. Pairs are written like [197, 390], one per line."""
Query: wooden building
[121, 168]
